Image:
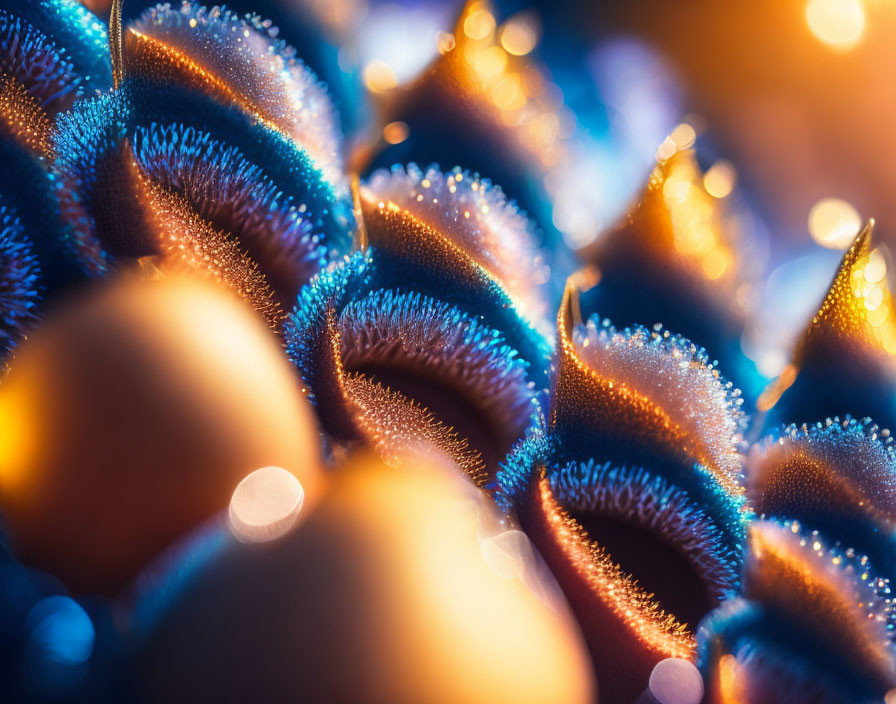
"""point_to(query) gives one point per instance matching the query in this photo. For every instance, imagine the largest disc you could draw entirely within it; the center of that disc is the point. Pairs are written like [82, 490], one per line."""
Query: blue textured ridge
[331, 288]
[173, 129]
[516, 472]
[31, 210]
[245, 52]
[778, 657]
[361, 295]
[302, 30]
[53, 44]
[836, 430]
[858, 451]
[552, 449]
[164, 14]
[365, 272]
[410, 310]
[85, 136]
[484, 298]
[19, 279]
[603, 487]
[169, 152]
[594, 486]
[583, 440]
[491, 368]
[57, 51]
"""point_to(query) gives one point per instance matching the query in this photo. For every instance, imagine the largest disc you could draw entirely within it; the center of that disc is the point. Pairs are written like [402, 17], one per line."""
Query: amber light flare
[489, 65]
[696, 228]
[834, 223]
[840, 24]
[681, 226]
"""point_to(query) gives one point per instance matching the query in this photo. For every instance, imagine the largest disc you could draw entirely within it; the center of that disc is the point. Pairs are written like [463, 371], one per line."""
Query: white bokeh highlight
[676, 681]
[265, 505]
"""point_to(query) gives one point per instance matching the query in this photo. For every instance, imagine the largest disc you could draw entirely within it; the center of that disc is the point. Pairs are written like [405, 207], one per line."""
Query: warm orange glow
[666, 149]
[697, 232]
[265, 505]
[380, 593]
[509, 95]
[396, 132]
[490, 65]
[684, 136]
[189, 389]
[519, 35]
[869, 286]
[838, 23]
[834, 223]
[729, 681]
[479, 24]
[768, 398]
[506, 552]
[714, 264]
[490, 62]
[19, 440]
[446, 42]
[447, 609]
[876, 268]
[720, 179]
[379, 77]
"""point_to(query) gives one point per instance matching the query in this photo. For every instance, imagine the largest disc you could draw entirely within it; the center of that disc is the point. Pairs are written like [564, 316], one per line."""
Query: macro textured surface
[361, 351]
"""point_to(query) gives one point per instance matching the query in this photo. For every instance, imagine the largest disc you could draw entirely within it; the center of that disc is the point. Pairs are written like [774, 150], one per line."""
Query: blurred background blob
[60, 643]
[402, 585]
[142, 405]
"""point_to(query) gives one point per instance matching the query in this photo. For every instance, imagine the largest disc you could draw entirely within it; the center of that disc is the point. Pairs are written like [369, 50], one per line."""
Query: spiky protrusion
[815, 625]
[19, 280]
[440, 374]
[632, 491]
[836, 476]
[52, 53]
[479, 218]
[845, 361]
[239, 61]
[246, 182]
[678, 376]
